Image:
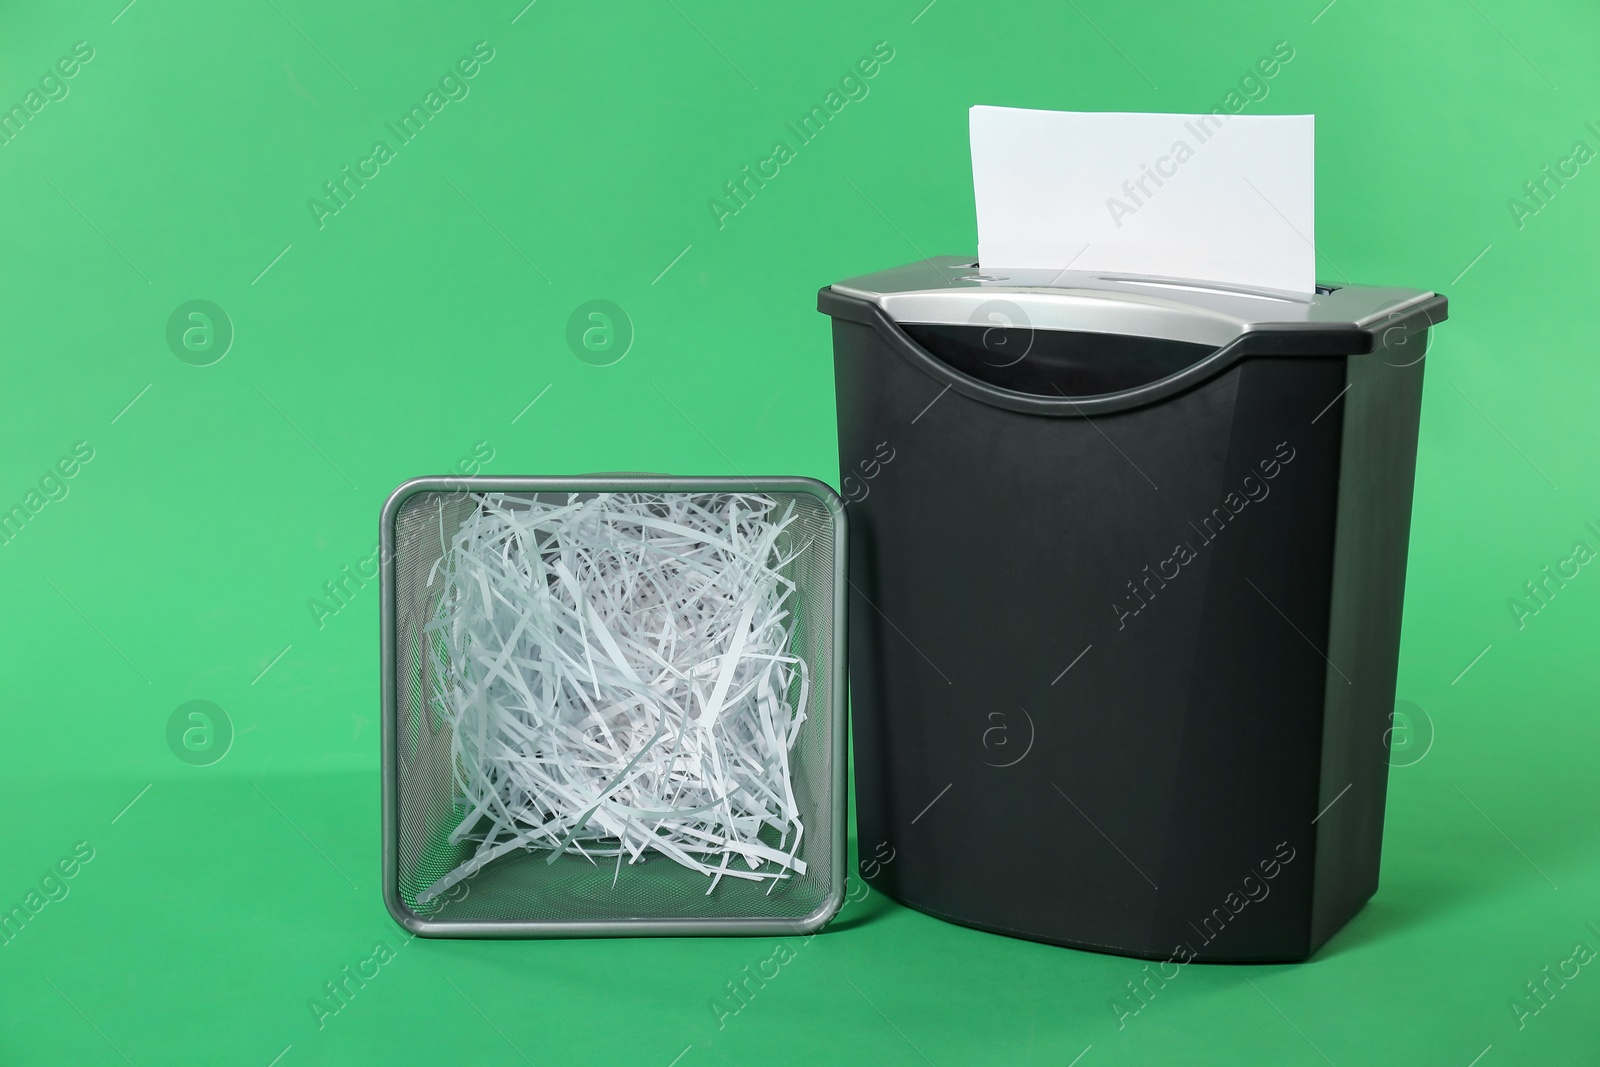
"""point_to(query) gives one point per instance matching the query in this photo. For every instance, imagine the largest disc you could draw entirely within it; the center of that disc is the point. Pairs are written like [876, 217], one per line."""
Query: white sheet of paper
[1220, 198]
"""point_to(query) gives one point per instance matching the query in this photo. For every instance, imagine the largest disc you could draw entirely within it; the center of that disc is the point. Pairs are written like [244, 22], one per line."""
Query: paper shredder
[1127, 562]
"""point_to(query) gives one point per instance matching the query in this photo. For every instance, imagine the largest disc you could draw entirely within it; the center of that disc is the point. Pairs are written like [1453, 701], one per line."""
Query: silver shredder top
[955, 291]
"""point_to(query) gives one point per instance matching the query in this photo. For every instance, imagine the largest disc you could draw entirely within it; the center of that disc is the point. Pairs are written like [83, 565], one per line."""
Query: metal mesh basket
[542, 892]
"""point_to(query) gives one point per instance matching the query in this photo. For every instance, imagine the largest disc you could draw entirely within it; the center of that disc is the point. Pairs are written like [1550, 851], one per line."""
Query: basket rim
[836, 686]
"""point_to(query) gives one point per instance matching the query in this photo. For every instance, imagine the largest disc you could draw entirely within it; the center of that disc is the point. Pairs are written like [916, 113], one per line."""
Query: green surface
[406, 335]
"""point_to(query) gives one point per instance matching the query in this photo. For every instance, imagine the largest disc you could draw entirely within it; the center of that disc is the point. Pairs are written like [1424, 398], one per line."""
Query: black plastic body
[1066, 727]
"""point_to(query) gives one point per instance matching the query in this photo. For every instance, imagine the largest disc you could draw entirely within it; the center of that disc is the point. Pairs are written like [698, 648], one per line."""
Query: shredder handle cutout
[1265, 339]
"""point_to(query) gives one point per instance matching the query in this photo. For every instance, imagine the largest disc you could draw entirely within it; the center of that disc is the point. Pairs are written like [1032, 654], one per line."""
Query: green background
[424, 317]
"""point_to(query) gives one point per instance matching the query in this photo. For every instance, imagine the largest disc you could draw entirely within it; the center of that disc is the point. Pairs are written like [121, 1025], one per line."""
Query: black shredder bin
[1127, 562]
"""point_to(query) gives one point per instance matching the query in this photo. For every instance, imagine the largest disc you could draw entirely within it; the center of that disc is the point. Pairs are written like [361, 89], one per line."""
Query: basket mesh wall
[522, 886]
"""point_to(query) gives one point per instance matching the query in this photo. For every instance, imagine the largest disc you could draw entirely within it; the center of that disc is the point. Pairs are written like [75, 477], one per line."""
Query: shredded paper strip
[619, 676]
